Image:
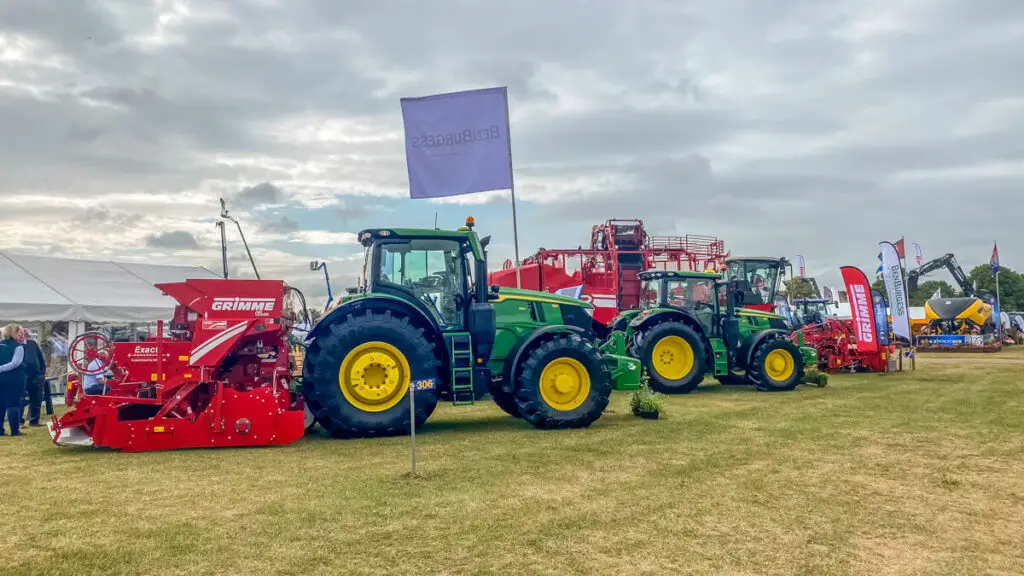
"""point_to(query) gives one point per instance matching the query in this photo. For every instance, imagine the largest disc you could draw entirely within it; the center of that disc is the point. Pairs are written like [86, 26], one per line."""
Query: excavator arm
[947, 261]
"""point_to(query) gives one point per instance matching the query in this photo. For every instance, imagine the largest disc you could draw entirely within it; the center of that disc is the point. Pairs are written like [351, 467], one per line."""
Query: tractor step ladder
[461, 346]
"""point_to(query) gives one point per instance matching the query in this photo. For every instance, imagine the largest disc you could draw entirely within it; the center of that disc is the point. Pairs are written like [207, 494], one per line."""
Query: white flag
[892, 271]
[938, 293]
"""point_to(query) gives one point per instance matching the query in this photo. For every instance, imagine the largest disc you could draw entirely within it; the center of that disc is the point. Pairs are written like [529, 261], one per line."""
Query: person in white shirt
[93, 384]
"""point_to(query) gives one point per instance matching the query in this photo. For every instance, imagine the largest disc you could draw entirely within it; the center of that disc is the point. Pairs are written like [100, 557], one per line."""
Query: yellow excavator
[954, 315]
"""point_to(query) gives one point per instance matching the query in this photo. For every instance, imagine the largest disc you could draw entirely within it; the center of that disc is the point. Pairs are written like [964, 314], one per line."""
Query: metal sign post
[412, 421]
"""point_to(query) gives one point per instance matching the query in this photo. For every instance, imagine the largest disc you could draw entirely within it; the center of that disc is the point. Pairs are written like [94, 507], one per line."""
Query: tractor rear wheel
[505, 400]
[357, 374]
[563, 383]
[673, 355]
[777, 367]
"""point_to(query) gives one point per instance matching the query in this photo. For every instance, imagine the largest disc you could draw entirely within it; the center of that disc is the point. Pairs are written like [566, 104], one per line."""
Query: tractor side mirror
[314, 266]
[494, 291]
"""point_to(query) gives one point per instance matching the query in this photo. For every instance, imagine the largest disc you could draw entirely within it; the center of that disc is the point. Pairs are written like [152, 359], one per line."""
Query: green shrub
[816, 378]
[644, 399]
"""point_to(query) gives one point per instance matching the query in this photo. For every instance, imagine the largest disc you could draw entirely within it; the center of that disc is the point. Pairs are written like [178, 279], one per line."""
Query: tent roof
[39, 288]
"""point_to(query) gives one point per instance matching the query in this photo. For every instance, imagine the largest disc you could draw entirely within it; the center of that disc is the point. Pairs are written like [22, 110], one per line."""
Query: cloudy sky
[789, 127]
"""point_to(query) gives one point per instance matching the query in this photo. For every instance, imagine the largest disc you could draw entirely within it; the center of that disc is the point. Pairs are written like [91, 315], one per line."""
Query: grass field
[919, 473]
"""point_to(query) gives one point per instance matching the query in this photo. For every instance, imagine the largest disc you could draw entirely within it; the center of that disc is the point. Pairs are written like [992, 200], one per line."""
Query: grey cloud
[349, 211]
[100, 216]
[174, 240]
[262, 193]
[283, 224]
[622, 134]
[759, 122]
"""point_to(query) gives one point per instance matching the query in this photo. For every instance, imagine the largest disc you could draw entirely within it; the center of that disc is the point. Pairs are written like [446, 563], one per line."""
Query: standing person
[12, 377]
[35, 379]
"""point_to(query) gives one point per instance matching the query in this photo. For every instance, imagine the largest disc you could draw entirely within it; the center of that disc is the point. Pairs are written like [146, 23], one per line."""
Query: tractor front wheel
[357, 374]
[777, 367]
[673, 355]
[563, 383]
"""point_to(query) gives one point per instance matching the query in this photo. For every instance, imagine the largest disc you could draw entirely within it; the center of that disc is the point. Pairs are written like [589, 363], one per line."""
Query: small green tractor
[689, 324]
[425, 318]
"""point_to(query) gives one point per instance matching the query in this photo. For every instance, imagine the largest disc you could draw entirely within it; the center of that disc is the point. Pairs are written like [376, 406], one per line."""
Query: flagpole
[999, 321]
[512, 189]
[906, 287]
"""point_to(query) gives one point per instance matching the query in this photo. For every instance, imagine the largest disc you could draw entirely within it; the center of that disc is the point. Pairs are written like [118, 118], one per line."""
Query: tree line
[1011, 288]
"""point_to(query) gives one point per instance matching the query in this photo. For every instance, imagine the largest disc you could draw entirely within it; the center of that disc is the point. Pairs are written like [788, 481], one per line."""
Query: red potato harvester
[221, 378]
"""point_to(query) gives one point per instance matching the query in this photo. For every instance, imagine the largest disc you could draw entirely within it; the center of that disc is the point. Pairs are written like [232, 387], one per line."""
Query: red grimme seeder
[220, 379]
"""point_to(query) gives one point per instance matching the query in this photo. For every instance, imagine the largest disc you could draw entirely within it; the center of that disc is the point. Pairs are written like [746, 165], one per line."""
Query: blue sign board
[425, 384]
[950, 340]
[881, 317]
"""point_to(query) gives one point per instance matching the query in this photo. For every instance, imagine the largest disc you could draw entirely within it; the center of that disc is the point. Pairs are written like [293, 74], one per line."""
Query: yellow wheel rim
[374, 376]
[672, 358]
[564, 384]
[779, 365]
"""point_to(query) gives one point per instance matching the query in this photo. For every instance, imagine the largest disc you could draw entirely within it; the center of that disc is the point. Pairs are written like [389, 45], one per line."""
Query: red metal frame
[221, 379]
[605, 274]
[836, 344]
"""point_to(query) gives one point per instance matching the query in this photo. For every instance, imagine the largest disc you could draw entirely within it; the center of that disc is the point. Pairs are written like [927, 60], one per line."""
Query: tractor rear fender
[644, 322]
[522, 349]
[756, 341]
[383, 303]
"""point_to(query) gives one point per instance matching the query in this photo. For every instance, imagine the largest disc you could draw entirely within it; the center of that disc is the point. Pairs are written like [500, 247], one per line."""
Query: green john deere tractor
[426, 317]
[689, 325]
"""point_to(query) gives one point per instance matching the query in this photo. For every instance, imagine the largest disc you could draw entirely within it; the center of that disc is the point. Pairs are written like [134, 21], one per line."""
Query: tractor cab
[436, 269]
[756, 280]
[699, 293]
[809, 311]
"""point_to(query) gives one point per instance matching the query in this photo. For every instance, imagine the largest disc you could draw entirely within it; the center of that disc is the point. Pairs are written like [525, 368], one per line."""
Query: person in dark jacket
[12, 377]
[35, 380]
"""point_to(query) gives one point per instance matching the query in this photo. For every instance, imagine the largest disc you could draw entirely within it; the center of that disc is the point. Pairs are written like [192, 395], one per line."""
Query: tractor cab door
[431, 273]
[694, 295]
[757, 280]
[481, 319]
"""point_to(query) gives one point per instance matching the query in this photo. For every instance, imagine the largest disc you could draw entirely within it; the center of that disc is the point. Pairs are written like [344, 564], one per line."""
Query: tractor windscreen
[678, 292]
[757, 279]
[810, 313]
[650, 294]
[432, 269]
[690, 293]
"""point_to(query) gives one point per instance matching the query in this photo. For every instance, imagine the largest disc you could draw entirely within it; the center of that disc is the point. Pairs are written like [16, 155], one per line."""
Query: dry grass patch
[908, 474]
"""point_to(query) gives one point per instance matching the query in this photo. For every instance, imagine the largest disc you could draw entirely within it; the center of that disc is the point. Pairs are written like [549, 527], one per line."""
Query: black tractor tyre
[758, 375]
[320, 375]
[643, 349]
[531, 403]
[505, 400]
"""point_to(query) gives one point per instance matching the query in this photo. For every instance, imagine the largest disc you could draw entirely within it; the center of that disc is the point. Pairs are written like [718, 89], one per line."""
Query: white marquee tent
[43, 289]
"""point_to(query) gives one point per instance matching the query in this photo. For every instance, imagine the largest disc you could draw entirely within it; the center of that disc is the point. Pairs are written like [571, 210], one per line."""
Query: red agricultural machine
[605, 274]
[835, 340]
[220, 378]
